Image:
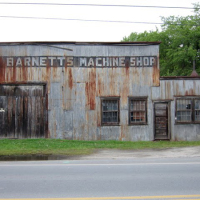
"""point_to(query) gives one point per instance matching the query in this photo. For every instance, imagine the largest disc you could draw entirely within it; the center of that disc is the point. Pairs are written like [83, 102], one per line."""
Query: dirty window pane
[184, 110]
[137, 111]
[197, 110]
[138, 117]
[188, 110]
[197, 115]
[184, 104]
[184, 116]
[110, 117]
[197, 104]
[110, 112]
[137, 105]
[110, 105]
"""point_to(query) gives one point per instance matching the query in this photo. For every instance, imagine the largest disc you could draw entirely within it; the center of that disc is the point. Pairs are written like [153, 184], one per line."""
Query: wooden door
[22, 112]
[161, 121]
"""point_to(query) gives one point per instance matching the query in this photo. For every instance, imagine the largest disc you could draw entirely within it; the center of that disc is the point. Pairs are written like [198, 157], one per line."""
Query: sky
[34, 28]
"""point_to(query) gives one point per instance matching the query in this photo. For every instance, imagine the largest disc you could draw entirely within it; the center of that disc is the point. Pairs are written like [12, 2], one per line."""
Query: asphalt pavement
[106, 174]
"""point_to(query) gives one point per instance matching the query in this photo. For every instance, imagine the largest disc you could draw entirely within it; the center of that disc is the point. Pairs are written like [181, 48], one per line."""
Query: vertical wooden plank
[3, 117]
[37, 115]
[14, 101]
[29, 115]
[11, 119]
[5, 107]
[19, 117]
[42, 117]
[25, 117]
[33, 117]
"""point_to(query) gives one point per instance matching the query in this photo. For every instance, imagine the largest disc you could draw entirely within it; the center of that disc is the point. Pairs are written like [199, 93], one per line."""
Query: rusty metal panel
[171, 88]
[68, 125]
[110, 133]
[188, 133]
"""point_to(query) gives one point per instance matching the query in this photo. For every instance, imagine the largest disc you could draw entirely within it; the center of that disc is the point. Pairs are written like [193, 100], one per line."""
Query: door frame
[169, 119]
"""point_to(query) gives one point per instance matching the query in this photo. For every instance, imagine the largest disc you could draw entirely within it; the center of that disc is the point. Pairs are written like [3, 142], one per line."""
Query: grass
[72, 147]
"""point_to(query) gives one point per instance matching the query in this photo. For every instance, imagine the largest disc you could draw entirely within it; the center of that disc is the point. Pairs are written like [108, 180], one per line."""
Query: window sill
[186, 123]
[110, 124]
[144, 124]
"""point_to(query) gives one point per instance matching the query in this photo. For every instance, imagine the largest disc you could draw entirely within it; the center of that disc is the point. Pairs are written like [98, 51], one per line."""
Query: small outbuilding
[94, 91]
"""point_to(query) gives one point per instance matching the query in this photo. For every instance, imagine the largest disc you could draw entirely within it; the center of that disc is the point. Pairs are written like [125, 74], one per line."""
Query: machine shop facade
[94, 91]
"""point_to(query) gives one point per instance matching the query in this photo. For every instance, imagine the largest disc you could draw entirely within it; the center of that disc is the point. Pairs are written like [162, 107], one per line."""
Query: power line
[87, 20]
[104, 5]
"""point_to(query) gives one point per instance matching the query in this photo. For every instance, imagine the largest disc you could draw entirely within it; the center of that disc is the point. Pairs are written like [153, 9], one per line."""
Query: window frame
[118, 111]
[193, 110]
[145, 111]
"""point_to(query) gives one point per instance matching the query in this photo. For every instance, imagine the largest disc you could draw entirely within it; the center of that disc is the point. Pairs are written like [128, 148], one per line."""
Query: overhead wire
[104, 5]
[88, 20]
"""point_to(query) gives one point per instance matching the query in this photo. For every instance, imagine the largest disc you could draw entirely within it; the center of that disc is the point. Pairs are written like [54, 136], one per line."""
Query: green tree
[180, 43]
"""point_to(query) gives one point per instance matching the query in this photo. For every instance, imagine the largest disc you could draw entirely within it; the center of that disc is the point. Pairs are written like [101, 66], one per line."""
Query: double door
[22, 111]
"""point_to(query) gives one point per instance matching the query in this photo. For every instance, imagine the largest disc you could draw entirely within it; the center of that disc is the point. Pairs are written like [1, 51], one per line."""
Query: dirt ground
[147, 153]
[115, 154]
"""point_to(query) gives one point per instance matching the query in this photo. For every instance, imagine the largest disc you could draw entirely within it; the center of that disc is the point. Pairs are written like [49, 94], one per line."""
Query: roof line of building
[78, 43]
[179, 77]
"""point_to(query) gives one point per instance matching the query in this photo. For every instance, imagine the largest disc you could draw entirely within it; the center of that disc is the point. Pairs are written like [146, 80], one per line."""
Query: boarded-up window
[187, 110]
[137, 110]
[110, 111]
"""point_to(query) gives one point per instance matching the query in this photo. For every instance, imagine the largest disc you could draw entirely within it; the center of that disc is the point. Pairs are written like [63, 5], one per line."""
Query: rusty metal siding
[170, 88]
[74, 92]
[168, 91]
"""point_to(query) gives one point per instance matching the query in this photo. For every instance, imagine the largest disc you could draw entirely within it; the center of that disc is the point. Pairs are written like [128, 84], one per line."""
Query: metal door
[161, 118]
[22, 111]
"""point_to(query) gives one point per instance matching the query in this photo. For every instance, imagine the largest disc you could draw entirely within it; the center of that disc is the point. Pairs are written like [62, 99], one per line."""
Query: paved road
[119, 178]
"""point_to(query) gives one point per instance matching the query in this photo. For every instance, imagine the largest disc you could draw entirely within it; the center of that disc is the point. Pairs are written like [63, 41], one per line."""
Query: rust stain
[14, 74]
[124, 87]
[24, 72]
[54, 72]
[90, 90]
[2, 70]
[67, 87]
[124, 131]
[100, 85]
[177, 92]
[156, 74]
[183, 84]
[127, 68]
[112, 81]
[167, 90]
[70, 78]
[48, 75]
[189, 92]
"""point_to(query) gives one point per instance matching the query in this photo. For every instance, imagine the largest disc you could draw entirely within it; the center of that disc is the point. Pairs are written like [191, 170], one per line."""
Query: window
[187, 110]
[137, 110]
[110, 111]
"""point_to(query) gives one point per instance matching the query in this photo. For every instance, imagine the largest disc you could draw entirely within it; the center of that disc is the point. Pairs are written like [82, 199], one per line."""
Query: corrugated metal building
[94, 91]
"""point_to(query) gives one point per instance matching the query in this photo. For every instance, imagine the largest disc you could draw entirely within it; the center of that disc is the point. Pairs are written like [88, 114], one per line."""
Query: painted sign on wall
[85, 62]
